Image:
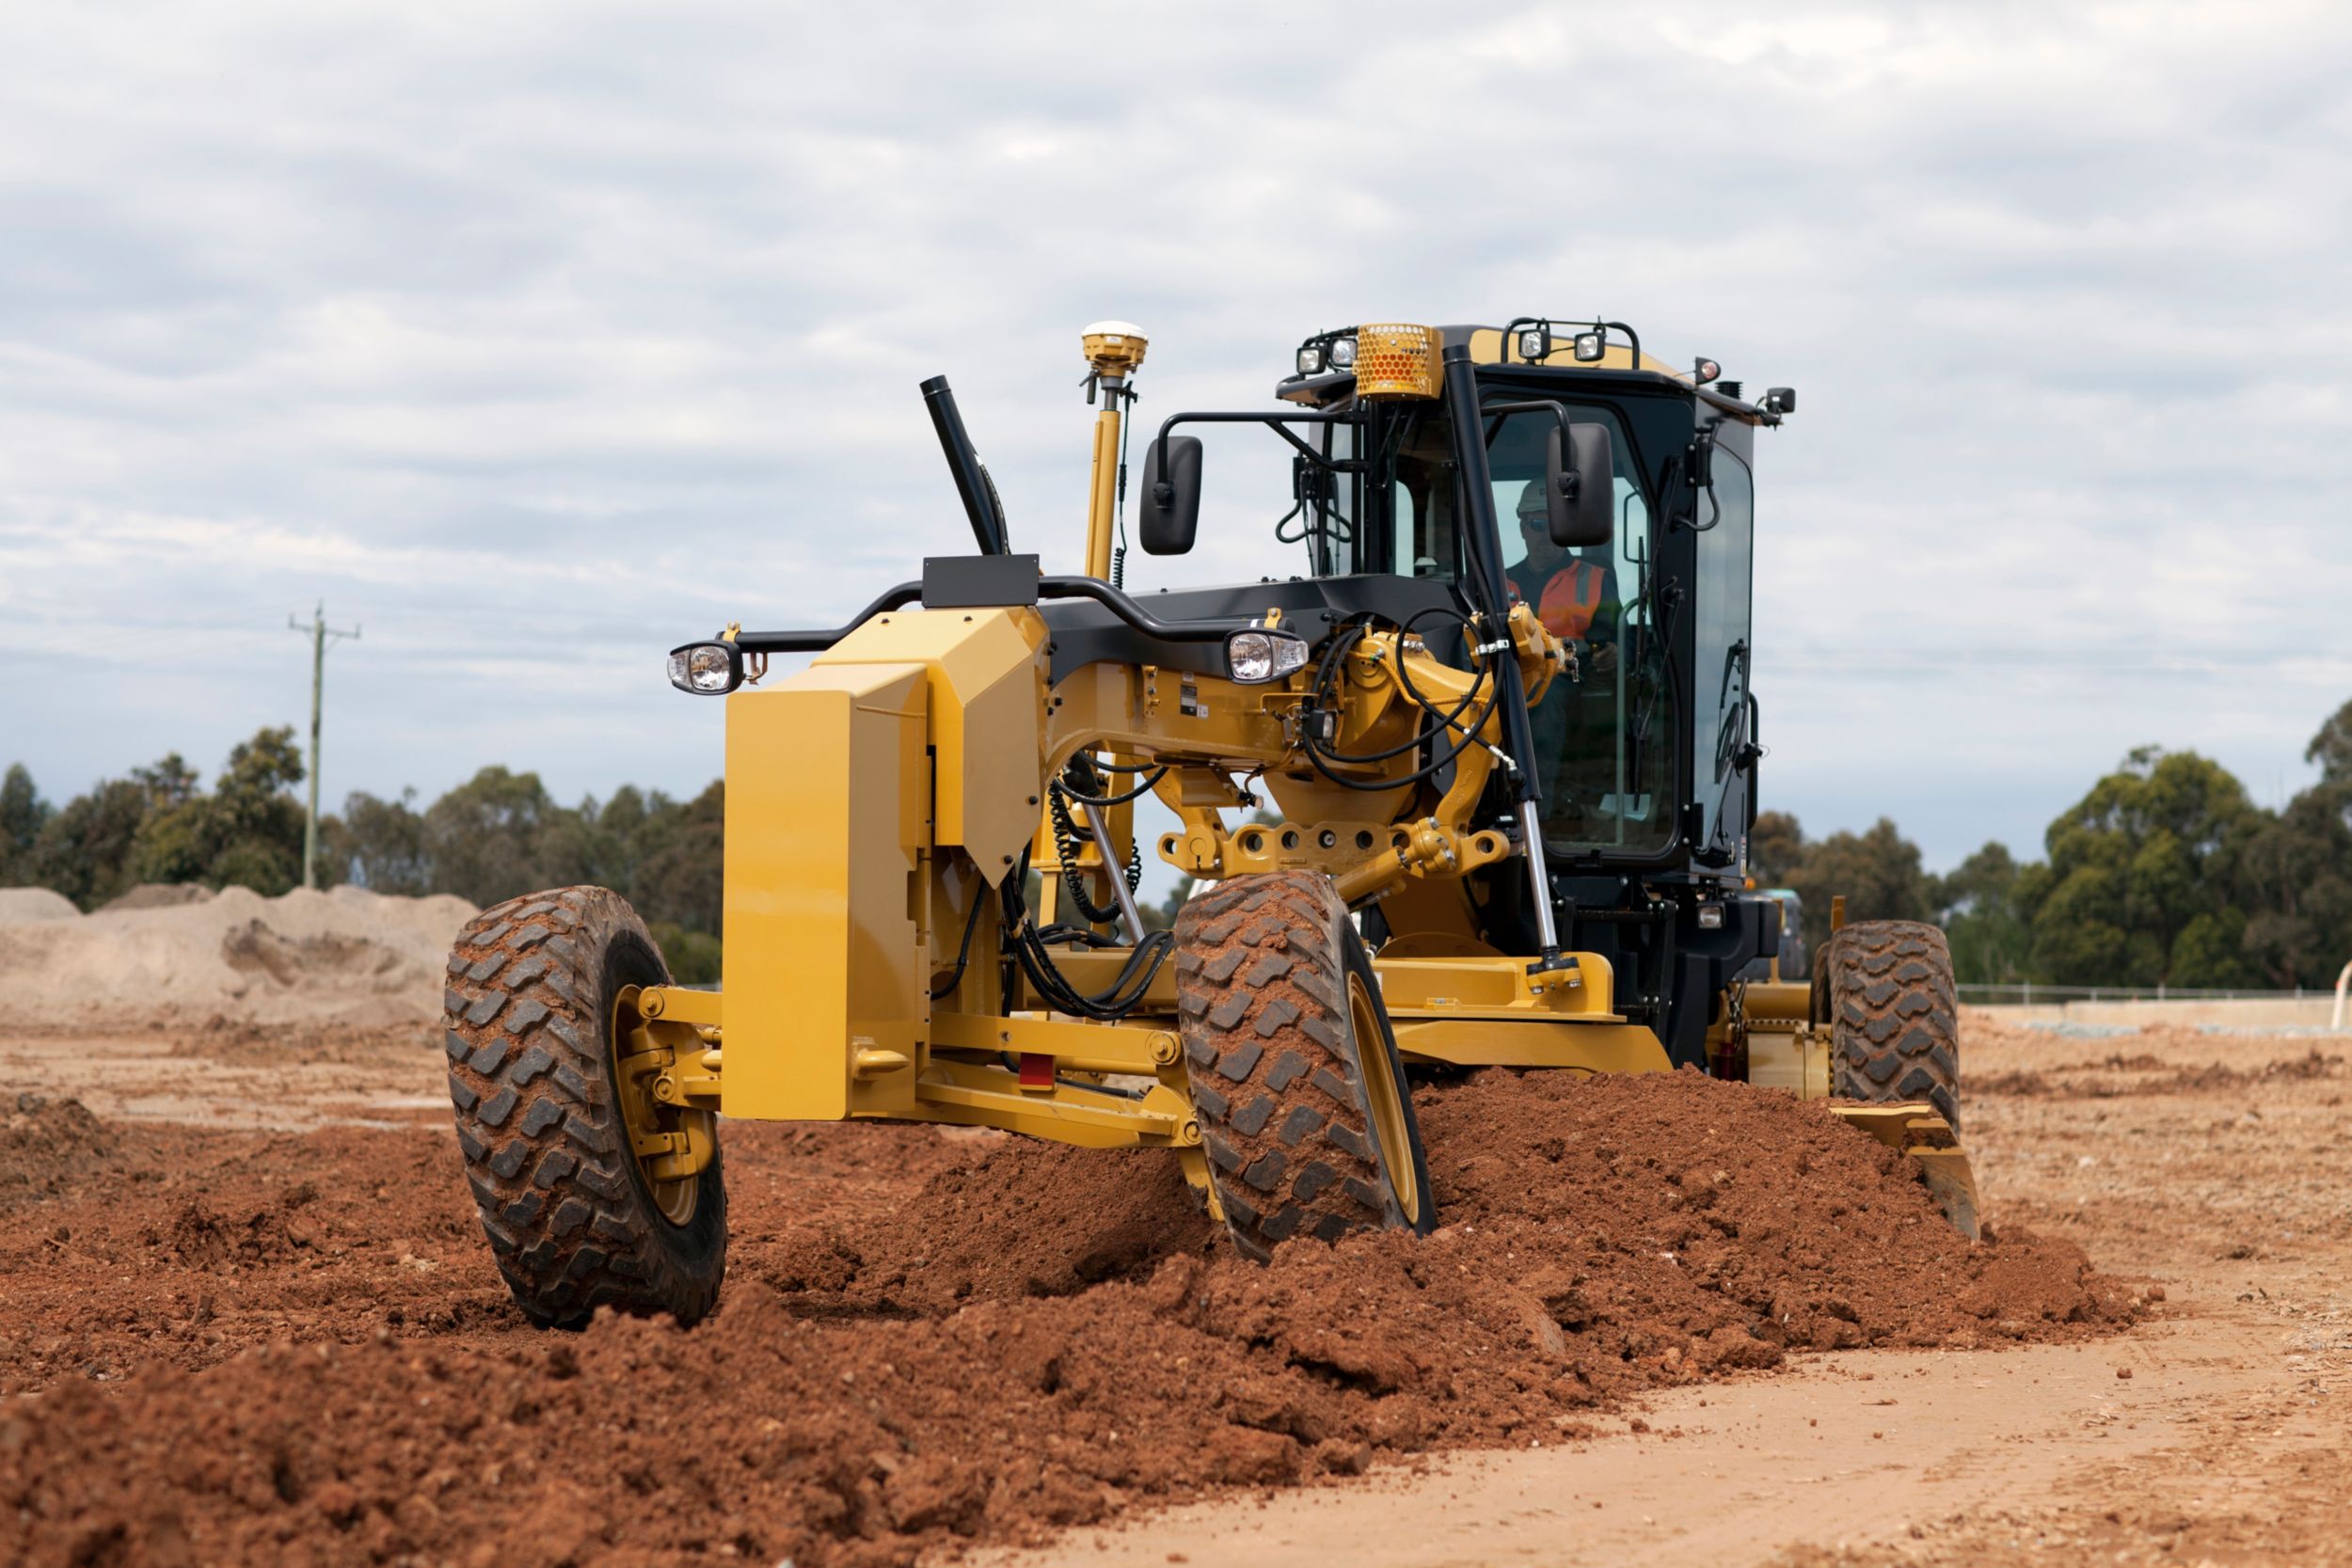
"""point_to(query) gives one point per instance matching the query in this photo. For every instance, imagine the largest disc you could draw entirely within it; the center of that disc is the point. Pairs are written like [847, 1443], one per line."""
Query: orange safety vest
[1571, 599]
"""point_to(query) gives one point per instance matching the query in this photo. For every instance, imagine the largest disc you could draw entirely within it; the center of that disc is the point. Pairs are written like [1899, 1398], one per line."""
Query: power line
[321, 638]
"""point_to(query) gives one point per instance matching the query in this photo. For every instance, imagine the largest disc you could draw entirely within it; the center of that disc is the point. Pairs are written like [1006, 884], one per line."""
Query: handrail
[1117, 602]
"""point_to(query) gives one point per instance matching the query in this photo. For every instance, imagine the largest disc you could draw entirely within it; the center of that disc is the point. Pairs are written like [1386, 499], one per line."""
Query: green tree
[1776, 849]
[2331, 748]
[246, 832]
[677, 857]
[2133, 866]
[1877, 871]
[377, 844]
[1976, 904]
[23, 815]
[84, 848]
[2295, 873]
[169, 782]
[489, 838]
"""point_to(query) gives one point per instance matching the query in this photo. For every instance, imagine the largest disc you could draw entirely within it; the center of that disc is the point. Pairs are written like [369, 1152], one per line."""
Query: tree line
[497, 834]
[2166, 872]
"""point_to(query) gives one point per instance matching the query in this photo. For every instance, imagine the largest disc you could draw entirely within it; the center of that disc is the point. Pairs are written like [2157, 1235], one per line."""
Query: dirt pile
[158, 896]
[347, 956]
[28, 906]
[928, 1340]
[2118, 1076]
[43, 1140]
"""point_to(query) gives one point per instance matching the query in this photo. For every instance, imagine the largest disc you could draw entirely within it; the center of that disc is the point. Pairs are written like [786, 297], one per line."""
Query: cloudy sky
[535, 339]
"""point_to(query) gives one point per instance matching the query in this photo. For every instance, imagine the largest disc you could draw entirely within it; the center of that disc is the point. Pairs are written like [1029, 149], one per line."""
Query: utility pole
[321, 636]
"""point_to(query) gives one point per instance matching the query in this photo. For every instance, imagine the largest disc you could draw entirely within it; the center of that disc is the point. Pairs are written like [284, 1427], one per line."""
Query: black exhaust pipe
[972, 481]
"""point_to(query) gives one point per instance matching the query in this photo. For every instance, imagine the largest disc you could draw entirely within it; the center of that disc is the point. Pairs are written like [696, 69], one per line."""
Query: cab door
[1723, 752]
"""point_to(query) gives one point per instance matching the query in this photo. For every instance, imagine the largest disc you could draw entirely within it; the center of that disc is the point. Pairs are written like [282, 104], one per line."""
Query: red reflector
[1037, 1071]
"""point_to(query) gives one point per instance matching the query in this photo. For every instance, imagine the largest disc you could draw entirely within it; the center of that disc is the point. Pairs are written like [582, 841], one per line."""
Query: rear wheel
[1887, 994]
[576, 1218]
[1304, 1110]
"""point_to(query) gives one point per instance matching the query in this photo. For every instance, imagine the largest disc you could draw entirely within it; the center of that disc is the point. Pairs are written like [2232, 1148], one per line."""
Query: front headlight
[706, 668]
[1344, 354]
[1309, 359]
[1258, 656]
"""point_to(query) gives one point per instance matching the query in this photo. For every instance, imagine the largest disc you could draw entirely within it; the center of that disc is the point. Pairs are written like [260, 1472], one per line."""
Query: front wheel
[1887, 993]
[1304, 1111]
[576, 1218]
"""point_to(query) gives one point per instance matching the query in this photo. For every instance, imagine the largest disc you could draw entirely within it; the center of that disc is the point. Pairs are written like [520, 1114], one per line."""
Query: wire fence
[2027, 993]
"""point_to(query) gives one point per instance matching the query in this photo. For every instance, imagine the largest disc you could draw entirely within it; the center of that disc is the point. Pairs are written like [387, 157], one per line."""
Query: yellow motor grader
[1465, 778]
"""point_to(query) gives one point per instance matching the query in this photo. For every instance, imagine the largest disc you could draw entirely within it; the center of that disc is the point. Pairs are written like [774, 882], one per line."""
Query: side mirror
[1577, 486]
[1171, 515]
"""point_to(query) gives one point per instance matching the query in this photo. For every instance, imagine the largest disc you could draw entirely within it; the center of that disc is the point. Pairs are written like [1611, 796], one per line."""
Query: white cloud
[539, 337]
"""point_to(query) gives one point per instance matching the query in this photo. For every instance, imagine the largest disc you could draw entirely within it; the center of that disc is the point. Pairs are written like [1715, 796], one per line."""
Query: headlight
[1591, 347]
[706, 668]
[1309, 359]
[1344, 354]
[1536, 344]
[1258, 656]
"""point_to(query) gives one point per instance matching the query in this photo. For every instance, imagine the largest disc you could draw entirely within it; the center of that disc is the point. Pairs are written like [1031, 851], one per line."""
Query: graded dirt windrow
[293, 1348]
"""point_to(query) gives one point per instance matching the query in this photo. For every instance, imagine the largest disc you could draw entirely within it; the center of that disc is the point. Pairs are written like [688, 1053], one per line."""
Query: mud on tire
[1886, 988]
[567, 1207]
[1305, 1116]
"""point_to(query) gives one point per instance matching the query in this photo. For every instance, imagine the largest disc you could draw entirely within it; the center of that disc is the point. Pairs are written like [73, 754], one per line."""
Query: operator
[1575, 595]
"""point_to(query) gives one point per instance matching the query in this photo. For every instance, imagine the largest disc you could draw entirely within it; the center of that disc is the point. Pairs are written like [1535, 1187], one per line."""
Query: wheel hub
[672, 1143]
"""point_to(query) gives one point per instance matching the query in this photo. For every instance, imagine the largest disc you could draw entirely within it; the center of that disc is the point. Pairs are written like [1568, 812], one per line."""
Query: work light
[706, 668]
[1309, 359]
[1536, 344]
[1342, 354]
[1590, 347]
[1258, 656]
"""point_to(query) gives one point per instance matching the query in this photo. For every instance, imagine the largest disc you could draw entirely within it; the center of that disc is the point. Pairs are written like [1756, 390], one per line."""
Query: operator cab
[1658, 614]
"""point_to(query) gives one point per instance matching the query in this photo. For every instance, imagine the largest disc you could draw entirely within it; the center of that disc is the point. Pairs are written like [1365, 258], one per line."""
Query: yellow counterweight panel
[827, 796]
[986, 718]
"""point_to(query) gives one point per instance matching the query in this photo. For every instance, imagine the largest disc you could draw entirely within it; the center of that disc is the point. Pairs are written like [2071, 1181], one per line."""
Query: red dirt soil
[233, 1347]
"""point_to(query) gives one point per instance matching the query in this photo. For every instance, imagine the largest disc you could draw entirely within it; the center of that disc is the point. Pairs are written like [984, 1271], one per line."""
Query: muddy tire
[1885, 990]
[1305, 1114]
[571, 1216]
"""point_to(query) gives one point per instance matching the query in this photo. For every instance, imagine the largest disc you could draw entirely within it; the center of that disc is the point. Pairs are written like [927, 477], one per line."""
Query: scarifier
[1466, 781]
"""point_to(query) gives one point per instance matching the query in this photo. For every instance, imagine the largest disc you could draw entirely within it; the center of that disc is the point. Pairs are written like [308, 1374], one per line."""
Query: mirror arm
[1276, 423]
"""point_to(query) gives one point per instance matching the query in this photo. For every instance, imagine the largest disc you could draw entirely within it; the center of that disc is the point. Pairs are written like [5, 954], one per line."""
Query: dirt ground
[246, 1314]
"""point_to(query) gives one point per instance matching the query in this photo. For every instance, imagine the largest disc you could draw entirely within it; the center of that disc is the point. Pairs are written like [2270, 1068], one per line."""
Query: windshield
[1604, 739]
